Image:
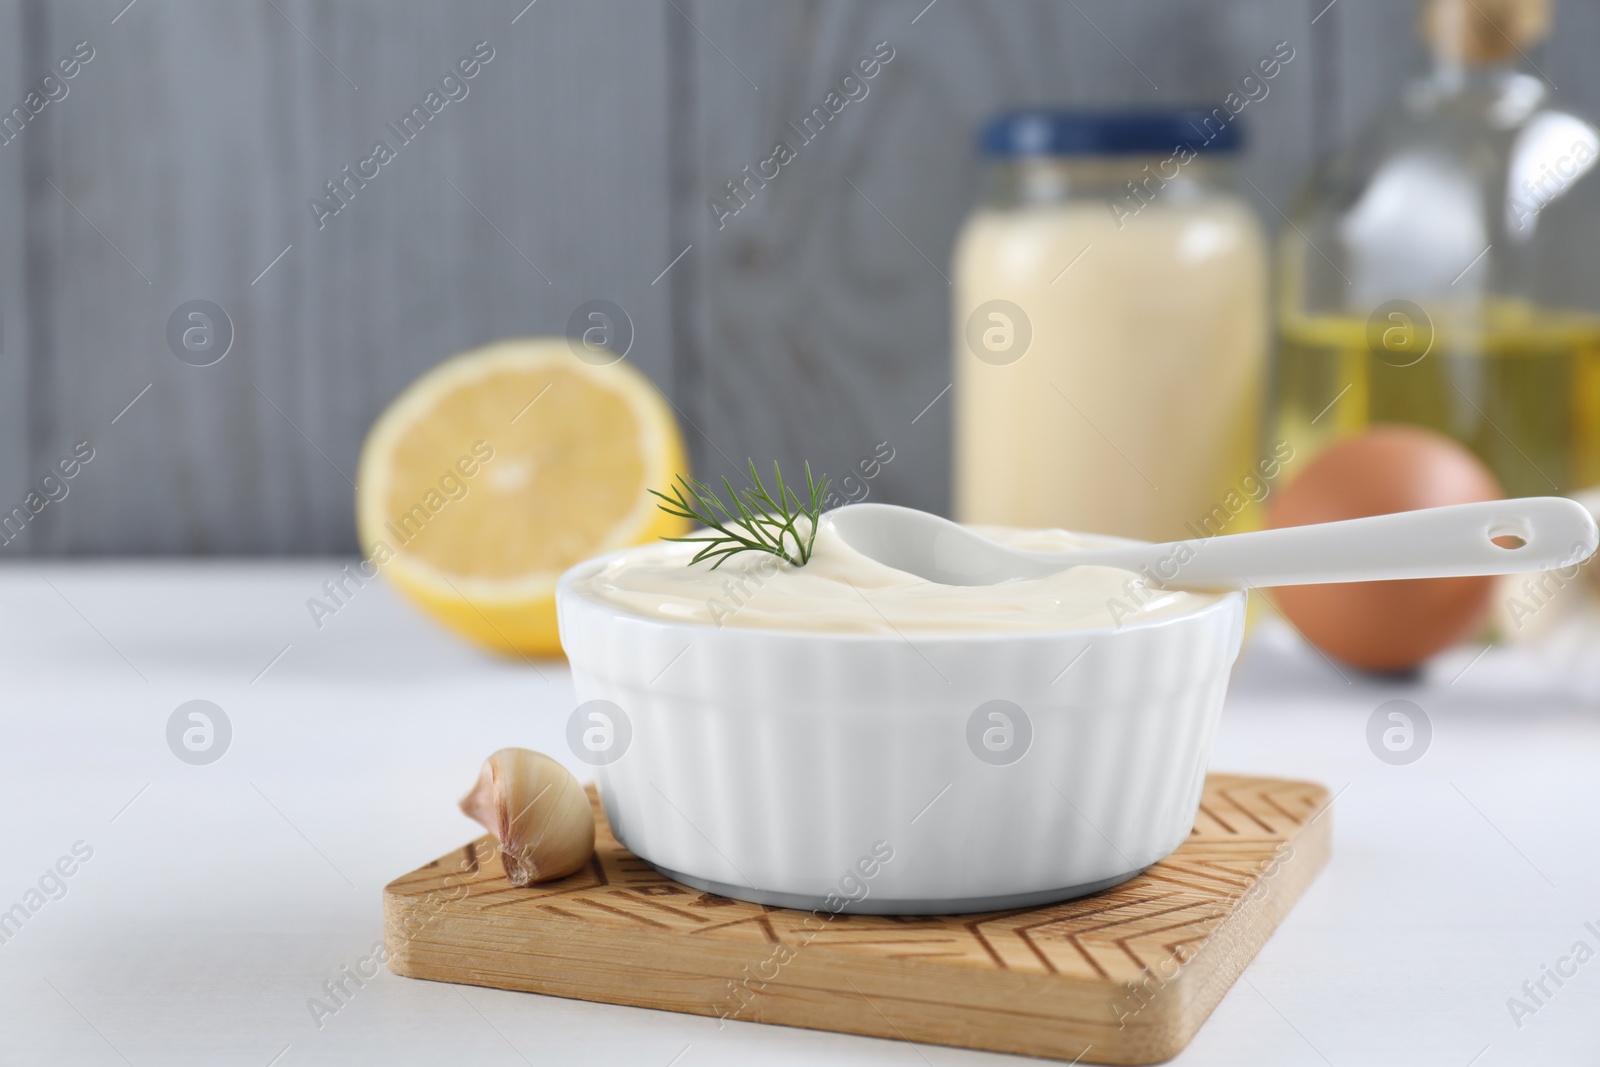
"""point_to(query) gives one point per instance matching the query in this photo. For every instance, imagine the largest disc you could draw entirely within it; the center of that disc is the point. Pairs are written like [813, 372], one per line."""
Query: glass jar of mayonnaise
[1111, 329]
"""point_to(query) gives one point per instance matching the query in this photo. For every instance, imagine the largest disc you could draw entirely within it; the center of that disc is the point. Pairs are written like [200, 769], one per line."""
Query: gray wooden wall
[179, 164]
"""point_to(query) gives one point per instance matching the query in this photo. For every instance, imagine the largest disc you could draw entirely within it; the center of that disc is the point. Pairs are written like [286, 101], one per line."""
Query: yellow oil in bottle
[1518, 385]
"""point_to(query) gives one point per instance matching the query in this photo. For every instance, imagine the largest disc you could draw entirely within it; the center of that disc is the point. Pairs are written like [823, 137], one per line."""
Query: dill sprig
[750, 520]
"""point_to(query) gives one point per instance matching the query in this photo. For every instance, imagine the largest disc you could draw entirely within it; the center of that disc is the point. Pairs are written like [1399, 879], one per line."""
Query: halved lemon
[500, 468]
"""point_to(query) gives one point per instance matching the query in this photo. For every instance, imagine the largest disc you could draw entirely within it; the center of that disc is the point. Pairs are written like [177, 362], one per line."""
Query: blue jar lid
[1047, 132]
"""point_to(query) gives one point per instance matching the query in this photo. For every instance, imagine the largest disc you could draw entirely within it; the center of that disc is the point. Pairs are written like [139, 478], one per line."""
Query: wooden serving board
[1126, 976]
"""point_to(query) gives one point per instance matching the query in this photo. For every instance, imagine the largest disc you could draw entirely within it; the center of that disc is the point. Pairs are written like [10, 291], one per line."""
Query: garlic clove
[537, 810]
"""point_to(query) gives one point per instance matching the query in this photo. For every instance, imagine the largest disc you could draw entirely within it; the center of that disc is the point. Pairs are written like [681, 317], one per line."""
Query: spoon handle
[1536, 533]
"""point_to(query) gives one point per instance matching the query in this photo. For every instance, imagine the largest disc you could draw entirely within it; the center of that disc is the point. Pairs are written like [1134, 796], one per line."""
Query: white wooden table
[220, 898]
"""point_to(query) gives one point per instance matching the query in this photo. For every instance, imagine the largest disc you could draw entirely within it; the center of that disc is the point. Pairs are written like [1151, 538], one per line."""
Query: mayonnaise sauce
[841, 590]
[1074, 431]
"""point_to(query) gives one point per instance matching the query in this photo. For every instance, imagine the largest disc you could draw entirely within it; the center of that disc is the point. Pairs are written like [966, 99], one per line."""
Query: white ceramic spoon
[1537, 533]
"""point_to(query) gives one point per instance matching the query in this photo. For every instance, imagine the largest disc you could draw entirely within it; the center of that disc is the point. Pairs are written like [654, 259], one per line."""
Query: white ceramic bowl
[867, 772]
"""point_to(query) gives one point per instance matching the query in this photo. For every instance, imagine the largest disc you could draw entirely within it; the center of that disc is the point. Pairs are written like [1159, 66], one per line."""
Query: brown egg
[1385, 626]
